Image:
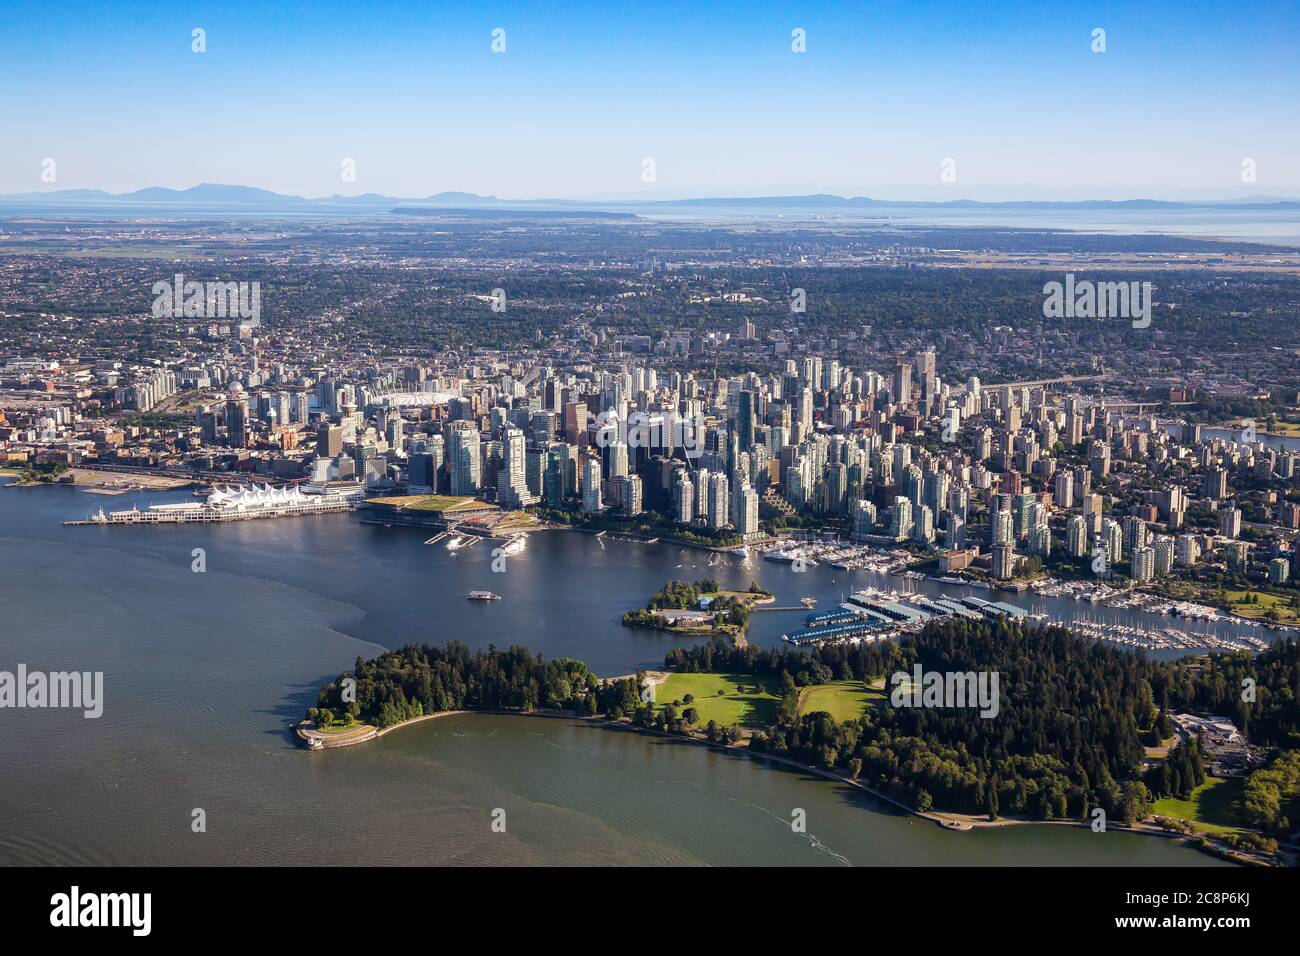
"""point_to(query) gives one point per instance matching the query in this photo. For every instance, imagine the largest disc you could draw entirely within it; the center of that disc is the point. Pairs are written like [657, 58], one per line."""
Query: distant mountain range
[207, 194]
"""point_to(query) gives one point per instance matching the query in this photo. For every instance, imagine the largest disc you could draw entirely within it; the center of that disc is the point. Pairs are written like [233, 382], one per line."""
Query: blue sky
[585, 92]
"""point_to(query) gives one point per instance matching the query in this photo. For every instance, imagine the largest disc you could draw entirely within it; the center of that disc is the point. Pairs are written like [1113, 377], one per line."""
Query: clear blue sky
[712, 93]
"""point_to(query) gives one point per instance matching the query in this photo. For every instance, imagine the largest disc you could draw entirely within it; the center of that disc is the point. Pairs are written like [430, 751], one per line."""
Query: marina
[871, 615]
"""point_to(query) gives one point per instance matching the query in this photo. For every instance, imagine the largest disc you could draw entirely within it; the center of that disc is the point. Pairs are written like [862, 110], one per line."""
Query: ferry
[482, 596]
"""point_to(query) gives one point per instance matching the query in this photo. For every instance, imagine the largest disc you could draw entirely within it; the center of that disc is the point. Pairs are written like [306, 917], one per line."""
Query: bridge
[1063, 380]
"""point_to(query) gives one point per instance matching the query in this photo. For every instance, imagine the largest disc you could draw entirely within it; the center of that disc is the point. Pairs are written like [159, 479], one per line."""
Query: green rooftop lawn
[443, 503]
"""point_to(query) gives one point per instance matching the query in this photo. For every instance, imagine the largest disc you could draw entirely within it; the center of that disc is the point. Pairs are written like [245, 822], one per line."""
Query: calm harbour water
[204, 672]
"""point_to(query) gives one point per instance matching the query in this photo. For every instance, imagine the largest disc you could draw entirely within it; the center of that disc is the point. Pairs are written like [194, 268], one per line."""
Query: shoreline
[948, 820]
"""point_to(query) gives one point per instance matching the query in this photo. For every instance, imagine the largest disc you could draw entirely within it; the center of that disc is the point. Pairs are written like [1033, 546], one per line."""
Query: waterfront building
[512, 482]
[684, 499]
[1004, 559]
[1143, 564]
[747, 512]
[864, 519]
[1113, 535]
[632, 495]
[719, 510]
[591, 497]
[900, 525]
[464, 459]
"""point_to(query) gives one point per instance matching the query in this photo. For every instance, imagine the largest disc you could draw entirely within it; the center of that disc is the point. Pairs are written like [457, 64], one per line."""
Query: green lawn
[1213, 806]
[1266, 603]
[1284, 428]
[336, 729]
[842, 699]
[440, 503]
[745, 699]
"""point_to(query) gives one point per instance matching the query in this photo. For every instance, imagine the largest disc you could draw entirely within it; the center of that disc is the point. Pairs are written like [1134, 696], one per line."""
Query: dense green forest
[1075, 715]
[426, 679]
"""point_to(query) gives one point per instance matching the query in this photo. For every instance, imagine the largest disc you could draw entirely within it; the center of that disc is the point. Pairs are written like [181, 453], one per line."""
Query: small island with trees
[699, 608]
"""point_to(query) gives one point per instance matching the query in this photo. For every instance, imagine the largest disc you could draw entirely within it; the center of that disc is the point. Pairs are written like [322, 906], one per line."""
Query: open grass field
[1288, 614]
[1213, 806]
[1282, 428]
[727, 698]
[842, 699]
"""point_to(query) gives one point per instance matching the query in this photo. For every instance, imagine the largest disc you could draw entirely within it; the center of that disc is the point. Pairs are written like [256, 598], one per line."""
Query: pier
[244, 504]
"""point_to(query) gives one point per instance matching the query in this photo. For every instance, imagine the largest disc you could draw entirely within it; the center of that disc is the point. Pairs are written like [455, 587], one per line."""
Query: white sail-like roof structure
[256, 498]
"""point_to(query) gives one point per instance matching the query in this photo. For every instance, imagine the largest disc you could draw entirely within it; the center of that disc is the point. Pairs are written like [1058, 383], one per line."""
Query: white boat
[456, 543]
[789, 557]
[515, 545]
[741, 552]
